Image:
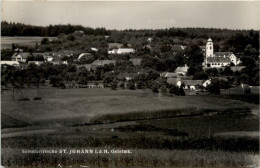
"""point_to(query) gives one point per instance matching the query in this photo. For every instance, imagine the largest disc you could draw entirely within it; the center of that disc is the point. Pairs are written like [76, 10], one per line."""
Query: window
[210, 47]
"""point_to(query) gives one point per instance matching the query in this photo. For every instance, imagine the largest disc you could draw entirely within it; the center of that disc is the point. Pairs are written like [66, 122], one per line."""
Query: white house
[121, 51]
[94, 49]
[20, 57]
[11, 63]
[49, 58]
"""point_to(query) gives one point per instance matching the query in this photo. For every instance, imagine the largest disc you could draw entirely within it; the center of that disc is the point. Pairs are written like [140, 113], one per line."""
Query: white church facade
[218, 59]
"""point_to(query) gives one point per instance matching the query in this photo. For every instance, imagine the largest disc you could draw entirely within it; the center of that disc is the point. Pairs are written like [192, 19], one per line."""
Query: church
[218, 59]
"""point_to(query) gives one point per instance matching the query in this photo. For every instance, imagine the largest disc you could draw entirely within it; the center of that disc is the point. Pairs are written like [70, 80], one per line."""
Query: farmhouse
[10, 63]
[20, 57]
[219, 59]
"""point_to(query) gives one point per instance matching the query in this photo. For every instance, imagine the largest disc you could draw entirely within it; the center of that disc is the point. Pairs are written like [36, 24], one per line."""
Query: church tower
[209, 48]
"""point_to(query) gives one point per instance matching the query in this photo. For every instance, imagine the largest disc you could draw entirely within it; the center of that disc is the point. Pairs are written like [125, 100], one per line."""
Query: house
[206, 83]
[20, 57]
[48, 58]
[150, 39]
[192, 84]
[218, 59]
[182, 70]
[103, 62]
[95, 84]
[94, 49]
[84, 55]
[36, 62]
[10, 63]
[121, 51]
[136, 61]
[187, 83]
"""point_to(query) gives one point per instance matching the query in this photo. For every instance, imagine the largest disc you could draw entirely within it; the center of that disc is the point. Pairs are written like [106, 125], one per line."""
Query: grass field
[75, 106]
[6, 42]
[62, 119]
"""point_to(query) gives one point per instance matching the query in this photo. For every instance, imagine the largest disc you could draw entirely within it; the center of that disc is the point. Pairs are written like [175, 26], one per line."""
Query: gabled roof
[223, 54]
[23, 54]
[218, 59]
[182, 69]
[192, 82]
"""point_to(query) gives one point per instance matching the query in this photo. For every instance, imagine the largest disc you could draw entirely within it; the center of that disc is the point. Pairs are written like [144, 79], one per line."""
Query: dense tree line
[18, 29]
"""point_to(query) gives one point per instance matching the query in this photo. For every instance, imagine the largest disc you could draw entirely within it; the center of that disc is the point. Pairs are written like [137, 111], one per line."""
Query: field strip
[27, 133]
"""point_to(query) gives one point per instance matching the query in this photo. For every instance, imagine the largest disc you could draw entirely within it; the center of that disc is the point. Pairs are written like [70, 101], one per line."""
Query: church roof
[223, 53]
[209, 40]
[218, 59]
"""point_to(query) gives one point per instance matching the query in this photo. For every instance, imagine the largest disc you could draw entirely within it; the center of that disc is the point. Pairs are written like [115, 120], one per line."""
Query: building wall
[218, 64]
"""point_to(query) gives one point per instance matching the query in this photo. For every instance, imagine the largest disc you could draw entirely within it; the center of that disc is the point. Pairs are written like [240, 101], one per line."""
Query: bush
[155, 89]
[131, 85]
[37, 98]
[24, 99]
[113, 85]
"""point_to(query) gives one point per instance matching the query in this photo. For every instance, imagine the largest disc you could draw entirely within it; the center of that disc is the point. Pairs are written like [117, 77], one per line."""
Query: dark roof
[223, 53]
[192, 82]
[23, 54]
[218, 59]
[36, 54]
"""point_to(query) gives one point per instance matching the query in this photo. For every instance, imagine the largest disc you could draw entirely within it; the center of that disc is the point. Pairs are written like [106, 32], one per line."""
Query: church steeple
[209, 48]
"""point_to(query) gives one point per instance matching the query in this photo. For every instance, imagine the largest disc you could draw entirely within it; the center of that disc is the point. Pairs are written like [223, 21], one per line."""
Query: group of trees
[18, 29]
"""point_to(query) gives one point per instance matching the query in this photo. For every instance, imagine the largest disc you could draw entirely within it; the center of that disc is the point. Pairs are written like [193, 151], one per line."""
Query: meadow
[6, 41]
[180, 131]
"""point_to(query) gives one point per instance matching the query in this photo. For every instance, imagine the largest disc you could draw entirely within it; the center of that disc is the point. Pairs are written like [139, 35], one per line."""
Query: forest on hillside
[230, 40]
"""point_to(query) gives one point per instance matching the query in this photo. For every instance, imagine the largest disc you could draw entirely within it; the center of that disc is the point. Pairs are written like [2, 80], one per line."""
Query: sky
[135, 14]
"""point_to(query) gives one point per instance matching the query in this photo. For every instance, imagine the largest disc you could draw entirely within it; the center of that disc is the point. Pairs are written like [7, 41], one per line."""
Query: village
[182, 77]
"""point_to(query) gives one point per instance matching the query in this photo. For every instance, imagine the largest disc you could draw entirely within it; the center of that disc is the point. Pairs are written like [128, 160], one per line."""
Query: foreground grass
[138, 158]
[75, 106]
